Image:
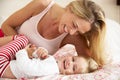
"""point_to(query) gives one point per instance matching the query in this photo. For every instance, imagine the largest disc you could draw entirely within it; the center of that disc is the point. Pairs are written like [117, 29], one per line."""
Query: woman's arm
[15, 20]
[5, 40]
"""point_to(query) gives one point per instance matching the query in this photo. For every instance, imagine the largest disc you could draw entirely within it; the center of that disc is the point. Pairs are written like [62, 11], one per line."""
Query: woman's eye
[75, 25]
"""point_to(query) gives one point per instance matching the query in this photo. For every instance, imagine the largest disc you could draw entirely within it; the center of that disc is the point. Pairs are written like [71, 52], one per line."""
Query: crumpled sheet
[108, 72]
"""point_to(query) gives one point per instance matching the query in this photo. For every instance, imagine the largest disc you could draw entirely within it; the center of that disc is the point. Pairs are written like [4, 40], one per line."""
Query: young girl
[22, 66]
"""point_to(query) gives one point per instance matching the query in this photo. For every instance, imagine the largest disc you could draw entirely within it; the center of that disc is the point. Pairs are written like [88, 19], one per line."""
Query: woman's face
[72, 24]
[72, 65]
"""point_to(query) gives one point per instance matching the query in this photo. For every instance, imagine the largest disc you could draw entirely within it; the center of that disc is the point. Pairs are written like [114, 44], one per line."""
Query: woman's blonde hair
[91, 12]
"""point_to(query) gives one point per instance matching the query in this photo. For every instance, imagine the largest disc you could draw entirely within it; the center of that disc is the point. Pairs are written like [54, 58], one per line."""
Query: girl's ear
[93, 65]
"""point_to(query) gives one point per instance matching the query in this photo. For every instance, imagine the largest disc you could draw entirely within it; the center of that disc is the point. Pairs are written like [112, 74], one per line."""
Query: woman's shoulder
[43, 3]
[40, 5]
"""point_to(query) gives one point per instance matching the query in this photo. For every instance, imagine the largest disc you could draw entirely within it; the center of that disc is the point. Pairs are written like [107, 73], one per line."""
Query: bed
[108, 72]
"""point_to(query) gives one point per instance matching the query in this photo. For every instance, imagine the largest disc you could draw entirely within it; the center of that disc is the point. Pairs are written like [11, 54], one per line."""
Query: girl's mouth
[65, 64]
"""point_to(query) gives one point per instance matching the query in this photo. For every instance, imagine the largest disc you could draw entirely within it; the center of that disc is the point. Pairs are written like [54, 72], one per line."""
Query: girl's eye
[73, 59]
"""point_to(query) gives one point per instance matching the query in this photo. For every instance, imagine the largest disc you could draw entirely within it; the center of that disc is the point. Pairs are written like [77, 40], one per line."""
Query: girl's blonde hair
[91, 12]
[92, 65]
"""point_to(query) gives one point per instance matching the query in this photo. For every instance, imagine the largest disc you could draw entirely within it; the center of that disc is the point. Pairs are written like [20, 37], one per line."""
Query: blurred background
[7, 7]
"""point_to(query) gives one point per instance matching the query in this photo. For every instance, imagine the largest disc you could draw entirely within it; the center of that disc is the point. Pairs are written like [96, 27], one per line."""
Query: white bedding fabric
[107, 72]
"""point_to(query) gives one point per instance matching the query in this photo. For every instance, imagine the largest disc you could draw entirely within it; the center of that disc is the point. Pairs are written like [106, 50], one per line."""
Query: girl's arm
[7, 53]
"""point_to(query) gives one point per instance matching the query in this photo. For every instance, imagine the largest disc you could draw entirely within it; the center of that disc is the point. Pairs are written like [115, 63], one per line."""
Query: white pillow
[113, 39]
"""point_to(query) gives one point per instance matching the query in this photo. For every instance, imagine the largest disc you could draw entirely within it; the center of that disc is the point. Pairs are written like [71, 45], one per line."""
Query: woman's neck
[56, 13]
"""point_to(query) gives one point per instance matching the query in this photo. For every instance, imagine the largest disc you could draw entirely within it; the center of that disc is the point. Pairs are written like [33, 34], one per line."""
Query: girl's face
[72, 24]
[72, 65]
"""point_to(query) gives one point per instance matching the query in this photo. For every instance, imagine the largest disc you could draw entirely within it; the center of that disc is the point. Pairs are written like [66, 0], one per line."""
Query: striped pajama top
[8, 51]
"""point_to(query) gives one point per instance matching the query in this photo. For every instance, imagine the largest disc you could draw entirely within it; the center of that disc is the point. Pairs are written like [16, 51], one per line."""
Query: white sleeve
[23, 66]
[22, 56]
[30, 68]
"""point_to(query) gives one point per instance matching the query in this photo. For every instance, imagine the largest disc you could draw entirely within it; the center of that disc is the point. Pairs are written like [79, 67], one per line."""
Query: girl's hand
[31, 48]
[36, 52]
[41, 53]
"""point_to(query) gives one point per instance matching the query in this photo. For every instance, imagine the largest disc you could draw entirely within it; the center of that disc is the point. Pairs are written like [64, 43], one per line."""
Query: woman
[47, 24]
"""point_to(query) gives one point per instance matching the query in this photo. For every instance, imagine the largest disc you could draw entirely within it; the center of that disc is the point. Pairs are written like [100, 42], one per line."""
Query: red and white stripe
[8, 51]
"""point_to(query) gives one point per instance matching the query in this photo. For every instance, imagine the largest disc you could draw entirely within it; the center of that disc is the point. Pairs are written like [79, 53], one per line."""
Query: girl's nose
[68, 64]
